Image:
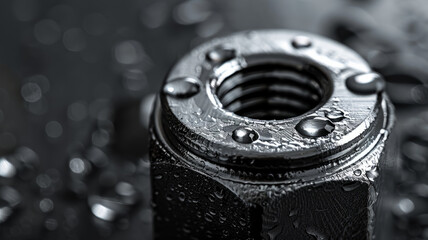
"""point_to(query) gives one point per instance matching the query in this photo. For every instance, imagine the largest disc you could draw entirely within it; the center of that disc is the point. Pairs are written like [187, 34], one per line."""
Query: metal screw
[315, 127]
[245, 135]
[182, 87]
[366, 83]
[301, 42]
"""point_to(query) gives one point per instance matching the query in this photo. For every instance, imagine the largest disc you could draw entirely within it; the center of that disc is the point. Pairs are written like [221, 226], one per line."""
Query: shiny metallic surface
[275, 133]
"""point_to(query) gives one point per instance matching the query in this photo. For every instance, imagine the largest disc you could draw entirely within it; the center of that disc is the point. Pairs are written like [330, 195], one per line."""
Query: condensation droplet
[245, 135]
[182, 87]
[315, 127]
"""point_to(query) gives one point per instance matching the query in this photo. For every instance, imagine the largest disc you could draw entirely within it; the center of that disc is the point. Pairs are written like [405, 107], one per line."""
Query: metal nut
[275, 145]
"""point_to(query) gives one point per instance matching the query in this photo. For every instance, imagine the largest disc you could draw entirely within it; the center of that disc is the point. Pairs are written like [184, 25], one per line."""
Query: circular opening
[273, 92]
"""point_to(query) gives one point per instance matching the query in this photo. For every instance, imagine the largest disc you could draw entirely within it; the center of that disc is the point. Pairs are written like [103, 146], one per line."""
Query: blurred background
[78, 78]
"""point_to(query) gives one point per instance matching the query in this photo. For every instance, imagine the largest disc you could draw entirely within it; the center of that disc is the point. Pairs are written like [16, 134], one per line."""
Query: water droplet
[357, 172]
[40, 80]
[181, 196]
[315, 127]
[403, 206]
[7, 169]
[301, 42]
[245, 135]
[335, 115]
[107, 209]
[208, 217]
[31, 92]
[220, 54]
[182, 87]
[53, 129]
[372, 174]
[366, 83]
[46, 205]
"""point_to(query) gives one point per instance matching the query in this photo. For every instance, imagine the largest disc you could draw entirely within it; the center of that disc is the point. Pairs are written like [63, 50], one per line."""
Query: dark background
[81, 75]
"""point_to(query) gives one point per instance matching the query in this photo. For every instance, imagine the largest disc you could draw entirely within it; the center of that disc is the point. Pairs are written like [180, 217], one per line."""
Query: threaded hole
[272, 92]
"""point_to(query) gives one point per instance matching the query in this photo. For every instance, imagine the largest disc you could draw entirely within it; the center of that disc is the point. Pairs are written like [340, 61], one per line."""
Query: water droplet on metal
[358, 172]
[372, 174]
[182, 87]
[315, 127]
[335, 115]
[181, 196]
[366, 83]
[221, 54]
[79, 166]
[245, 135]
[301, 42]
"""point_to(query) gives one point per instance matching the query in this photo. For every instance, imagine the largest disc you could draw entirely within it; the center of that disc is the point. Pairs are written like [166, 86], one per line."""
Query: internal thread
[271, 92]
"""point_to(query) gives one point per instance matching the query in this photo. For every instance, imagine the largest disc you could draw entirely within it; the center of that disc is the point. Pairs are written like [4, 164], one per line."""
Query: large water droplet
[301, 42]
[366, 83]
[182, 87]
[315, 127]
[245, 135]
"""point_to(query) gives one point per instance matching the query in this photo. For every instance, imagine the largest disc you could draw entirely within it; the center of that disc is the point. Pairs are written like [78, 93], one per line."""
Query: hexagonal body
[192, 204]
